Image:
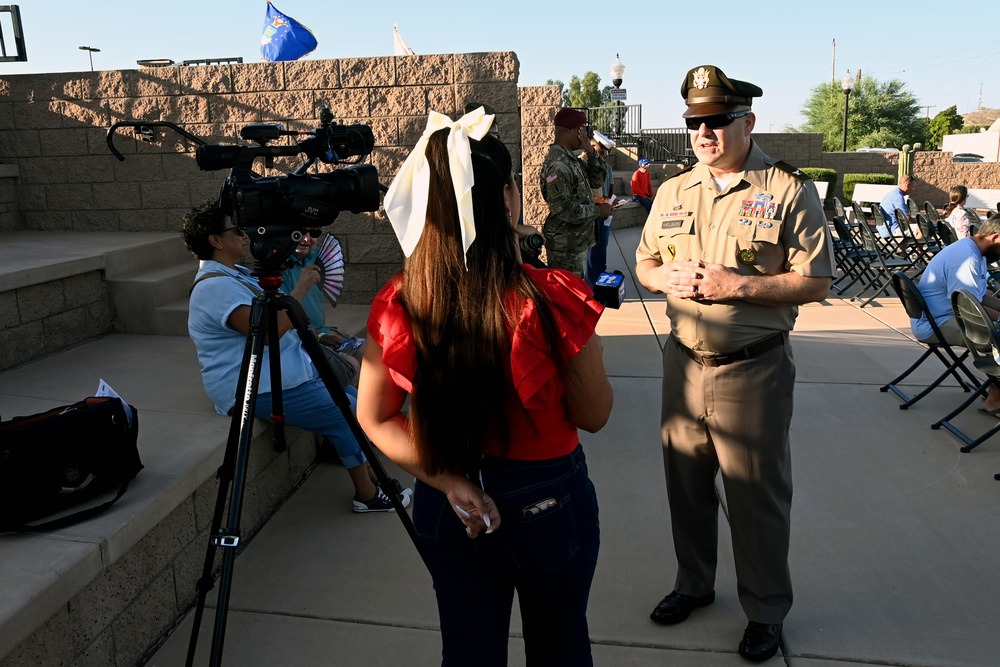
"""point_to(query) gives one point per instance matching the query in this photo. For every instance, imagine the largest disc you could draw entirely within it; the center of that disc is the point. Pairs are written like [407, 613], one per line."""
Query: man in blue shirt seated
[219, 322]
[961, 265]
[896, 199]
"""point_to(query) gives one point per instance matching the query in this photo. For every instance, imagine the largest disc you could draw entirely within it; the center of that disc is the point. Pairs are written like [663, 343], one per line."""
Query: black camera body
[274, 210]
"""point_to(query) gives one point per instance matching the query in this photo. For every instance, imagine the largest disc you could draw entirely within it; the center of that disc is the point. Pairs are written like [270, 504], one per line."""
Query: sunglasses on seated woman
[714, 122]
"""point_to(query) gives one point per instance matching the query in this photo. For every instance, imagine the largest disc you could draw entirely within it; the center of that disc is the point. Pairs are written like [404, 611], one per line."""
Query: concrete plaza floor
[895, 533]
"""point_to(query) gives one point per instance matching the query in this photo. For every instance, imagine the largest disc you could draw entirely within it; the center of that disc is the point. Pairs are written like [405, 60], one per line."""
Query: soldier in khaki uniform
[566, 181]
[736, 242]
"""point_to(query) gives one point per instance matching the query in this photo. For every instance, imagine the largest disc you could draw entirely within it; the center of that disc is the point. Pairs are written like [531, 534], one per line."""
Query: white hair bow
[406, 201]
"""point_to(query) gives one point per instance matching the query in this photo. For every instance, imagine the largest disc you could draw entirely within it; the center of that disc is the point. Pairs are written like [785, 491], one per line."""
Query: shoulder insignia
[682, 171]
[551, 177]
[794, 172]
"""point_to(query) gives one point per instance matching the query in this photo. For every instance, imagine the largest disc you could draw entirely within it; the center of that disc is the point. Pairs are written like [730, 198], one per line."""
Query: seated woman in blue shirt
[218, 323]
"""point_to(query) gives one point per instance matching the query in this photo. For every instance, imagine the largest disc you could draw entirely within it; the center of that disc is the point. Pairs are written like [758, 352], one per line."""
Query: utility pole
[928, 107]
[833, 66]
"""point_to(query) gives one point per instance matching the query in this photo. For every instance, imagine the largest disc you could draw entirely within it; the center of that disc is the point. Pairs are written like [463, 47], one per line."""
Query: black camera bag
[55, 460]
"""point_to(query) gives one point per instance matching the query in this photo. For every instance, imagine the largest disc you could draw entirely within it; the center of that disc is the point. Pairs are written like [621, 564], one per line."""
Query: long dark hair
[956, 196]
[461, 318]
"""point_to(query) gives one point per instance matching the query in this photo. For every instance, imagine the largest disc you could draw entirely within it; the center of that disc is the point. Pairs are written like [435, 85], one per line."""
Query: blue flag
[284, 38]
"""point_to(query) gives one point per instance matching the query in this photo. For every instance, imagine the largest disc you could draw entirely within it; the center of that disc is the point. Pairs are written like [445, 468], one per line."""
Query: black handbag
[55, 460]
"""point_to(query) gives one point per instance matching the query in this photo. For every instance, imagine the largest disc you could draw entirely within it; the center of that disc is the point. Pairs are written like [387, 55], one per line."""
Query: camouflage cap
[708, 91]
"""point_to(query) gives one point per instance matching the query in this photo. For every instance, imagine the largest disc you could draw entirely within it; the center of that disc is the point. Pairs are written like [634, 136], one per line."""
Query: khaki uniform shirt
[765, 222]
[566, 181]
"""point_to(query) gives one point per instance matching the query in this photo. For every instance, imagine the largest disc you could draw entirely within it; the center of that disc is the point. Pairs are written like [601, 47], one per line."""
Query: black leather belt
[749, 352]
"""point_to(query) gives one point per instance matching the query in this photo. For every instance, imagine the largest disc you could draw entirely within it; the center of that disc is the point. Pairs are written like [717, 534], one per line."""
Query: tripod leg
[232, 474]
[278, 442]
[312, 348]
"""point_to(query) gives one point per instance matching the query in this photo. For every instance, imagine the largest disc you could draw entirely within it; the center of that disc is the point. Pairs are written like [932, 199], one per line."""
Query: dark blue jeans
[597, 258]
[548, 558]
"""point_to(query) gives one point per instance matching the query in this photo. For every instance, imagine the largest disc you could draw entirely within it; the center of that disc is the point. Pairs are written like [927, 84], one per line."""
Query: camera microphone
[609, 289]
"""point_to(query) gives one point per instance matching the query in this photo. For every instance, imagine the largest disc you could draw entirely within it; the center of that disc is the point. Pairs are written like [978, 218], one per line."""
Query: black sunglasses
[315, 233]
[714, 122]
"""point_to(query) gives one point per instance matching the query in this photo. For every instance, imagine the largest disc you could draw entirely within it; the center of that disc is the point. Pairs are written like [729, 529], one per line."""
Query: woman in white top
[955, 212]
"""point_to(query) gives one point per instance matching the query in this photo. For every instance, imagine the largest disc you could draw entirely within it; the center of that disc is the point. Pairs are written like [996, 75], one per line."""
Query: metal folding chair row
[916, 307]
[982, 340]
[881, 265]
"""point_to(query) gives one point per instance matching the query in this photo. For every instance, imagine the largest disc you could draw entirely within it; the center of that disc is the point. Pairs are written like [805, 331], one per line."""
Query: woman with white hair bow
[501, 366]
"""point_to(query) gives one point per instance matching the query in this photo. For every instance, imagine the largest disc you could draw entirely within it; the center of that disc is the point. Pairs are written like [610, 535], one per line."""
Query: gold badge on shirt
[746, 256]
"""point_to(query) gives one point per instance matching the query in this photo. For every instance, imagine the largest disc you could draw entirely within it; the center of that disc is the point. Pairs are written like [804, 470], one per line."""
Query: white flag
[400, 48]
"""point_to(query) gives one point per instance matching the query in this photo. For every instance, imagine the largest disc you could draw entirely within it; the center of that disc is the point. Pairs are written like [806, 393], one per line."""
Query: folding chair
[932, 243]
[974, 220]
[932, 212]
[915, 306]
[880, 267]
[983, 342]
[888, 244]
[852, 259]
[909, 245]
[945, 232]
[838, 208]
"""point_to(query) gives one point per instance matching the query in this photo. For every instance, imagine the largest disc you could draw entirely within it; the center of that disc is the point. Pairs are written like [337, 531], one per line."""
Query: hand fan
[331, 263]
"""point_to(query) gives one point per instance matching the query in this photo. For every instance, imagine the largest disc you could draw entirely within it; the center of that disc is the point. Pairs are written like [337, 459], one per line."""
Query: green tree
[944, 123]
[583, 93]
[882, 115]
[586, 92]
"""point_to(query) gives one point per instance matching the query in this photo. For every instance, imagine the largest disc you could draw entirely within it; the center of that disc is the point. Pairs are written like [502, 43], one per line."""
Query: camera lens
[532, 243]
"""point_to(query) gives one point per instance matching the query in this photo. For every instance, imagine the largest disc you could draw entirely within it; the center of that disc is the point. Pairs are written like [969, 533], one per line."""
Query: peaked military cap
[708, 91]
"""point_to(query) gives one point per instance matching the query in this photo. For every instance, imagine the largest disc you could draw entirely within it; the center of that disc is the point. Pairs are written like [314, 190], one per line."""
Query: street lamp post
[848, 84]
[617, 76]
[90, 52]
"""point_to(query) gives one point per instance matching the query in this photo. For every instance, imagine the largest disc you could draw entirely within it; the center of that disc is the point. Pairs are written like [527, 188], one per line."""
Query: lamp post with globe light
[617, 76]
[847, 83]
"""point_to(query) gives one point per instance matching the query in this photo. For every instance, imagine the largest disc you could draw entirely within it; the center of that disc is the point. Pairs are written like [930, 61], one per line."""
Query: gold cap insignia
[701, 77]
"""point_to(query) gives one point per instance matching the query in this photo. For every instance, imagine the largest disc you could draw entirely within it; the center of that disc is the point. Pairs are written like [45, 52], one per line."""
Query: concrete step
[171, 319]
[138, 296]
[629, 214]
[163, 252]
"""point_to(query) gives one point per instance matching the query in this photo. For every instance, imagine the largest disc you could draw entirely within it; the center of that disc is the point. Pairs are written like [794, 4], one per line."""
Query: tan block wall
[120, 617]
[538, 108]
[10, 217]
[56, 125]
[936, 174]
[39, 319]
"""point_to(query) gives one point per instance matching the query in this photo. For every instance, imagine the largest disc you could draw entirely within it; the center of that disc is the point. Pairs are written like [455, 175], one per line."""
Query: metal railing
[618, 121]
[671, 144]
[623, 123]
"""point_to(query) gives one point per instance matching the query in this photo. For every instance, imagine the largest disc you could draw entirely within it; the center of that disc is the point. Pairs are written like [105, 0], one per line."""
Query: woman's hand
[474, 507]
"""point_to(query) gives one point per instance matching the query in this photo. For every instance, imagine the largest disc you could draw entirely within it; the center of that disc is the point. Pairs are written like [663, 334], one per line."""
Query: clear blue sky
[945, 56]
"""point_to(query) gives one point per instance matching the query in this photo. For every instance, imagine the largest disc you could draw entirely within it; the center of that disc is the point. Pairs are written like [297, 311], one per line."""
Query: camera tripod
[232, 473]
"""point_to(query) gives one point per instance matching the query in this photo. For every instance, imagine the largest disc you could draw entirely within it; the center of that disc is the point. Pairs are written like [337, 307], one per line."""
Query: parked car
[869, 149]
[967, 157]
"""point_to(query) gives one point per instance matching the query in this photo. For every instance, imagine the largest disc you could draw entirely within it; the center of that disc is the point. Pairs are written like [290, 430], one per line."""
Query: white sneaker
[381, 502]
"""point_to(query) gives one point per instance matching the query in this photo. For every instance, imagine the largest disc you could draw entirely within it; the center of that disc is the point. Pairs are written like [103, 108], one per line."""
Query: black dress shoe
[760, 641]
[676, 607]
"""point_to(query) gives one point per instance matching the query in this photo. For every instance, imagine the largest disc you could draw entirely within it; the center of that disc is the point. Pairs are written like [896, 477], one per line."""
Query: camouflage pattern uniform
[566, 181]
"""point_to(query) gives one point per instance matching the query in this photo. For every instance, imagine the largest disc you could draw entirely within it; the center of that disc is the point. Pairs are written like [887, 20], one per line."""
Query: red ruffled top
[538, 424]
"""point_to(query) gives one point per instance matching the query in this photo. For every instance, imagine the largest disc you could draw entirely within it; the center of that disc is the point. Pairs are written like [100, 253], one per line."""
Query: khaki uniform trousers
[733, 418]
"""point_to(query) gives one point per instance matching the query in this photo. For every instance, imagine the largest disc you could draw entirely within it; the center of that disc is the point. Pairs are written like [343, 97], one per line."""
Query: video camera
[274, 211]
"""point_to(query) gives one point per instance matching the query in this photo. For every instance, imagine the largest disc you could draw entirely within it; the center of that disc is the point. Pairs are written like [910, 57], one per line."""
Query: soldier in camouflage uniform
[566, 181]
